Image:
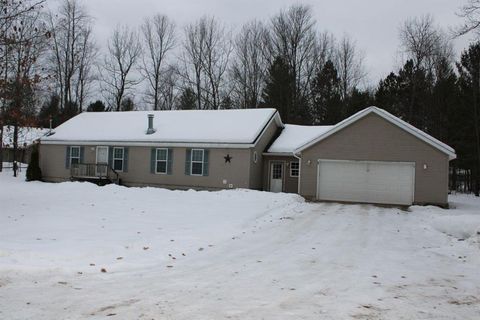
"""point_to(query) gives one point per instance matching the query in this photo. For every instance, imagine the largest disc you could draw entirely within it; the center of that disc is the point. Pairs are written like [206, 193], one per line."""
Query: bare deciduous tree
[349, 64]
[73, 52]
[205, 59]
[12, 12]
[124, 50]
[23, 73]
[424, 43]
[249, 65]
[159, 38]
[294, 38]
[471, 13]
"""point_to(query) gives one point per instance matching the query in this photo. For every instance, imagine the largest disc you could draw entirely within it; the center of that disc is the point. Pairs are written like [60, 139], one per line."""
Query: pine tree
[469, 70]
[97, 106]
[34, 173]
[187, 100]
[50, 110]
[278, 91]
[407, 95]
[327, 106]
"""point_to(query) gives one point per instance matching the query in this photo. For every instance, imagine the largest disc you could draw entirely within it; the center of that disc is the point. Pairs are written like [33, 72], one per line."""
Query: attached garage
[370, 157]
[366, 181]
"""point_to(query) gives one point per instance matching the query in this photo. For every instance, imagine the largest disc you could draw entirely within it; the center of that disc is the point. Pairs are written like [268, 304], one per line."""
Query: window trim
[114, 158]
[196, 161]
[71, 155]
[298, 169]
[156, 161]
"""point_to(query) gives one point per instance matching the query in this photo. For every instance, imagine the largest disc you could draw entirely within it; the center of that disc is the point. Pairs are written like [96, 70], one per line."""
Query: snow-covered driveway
[230, 255]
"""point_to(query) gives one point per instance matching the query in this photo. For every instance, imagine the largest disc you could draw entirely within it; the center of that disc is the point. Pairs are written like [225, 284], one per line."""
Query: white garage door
[366, 181]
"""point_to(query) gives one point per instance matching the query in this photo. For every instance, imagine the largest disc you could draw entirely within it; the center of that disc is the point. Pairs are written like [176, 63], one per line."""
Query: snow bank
[237, 254]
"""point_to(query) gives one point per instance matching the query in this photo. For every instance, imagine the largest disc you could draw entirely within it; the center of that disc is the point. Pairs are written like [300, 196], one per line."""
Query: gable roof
[390, 118]
[240, 126]
[26, 136]
[294, 136]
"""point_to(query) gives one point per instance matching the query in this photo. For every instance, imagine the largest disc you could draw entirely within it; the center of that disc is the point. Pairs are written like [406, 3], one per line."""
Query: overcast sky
[373, 24]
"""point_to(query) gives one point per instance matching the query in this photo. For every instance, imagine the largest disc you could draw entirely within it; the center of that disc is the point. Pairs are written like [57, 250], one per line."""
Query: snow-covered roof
[241, 126]
[294, 136]
[26, 136]
[390, 118]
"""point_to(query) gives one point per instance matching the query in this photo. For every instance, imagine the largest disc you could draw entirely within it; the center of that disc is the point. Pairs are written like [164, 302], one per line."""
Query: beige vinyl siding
[236, 173]
[271, 132]
[375, 139]
[290, 184]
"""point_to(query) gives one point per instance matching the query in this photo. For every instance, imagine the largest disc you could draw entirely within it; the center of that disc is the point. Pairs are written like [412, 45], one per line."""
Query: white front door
[276, 177]
[366, 181]
[102, 158]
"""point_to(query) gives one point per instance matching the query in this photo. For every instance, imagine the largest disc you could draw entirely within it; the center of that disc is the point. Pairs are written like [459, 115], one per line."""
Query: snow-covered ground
[233, 254]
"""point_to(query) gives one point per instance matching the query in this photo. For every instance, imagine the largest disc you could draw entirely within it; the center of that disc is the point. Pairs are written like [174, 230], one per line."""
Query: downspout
[299, 171]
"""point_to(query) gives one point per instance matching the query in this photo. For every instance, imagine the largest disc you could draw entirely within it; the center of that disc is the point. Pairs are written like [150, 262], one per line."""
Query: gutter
[150, 144]
[299, 170]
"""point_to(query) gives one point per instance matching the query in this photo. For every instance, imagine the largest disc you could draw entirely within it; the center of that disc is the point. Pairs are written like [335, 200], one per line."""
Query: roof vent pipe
[150, 129]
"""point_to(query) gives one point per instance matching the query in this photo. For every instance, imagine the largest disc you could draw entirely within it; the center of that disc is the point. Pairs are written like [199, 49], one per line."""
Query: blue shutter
[205, 162]
[82, 154]
[188, 158]
[125, 159]
[67, 158]
[169, 160]
[110, 156]
[152, 160]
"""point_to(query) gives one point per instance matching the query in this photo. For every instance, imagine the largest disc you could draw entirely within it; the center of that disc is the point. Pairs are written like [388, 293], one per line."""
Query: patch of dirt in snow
[110, 309]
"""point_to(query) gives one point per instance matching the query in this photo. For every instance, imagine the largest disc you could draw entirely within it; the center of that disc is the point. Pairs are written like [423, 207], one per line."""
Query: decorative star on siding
[228, 158]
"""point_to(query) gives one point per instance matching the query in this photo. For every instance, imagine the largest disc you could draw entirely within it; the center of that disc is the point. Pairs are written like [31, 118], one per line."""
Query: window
[255, 157]
[74, 155]
[294, 169]
[161, 161]
[118, 159]
[277, 171]
[196, 166]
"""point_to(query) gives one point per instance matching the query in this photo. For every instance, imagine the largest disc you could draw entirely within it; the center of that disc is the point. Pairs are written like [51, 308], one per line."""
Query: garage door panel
[366, 181]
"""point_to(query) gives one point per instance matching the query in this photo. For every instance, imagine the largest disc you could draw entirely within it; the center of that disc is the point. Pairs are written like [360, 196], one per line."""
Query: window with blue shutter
[187, 161]
[153, 155]
[125, 159]
[118, 157]
[82, 154]
[161, 161]
[110, 156]
[196, 166]
[170, 161]
[67, 158]
[205, 162]
[73, 156]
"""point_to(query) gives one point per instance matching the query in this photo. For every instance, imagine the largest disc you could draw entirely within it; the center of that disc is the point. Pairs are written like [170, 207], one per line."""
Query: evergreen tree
[187, 100]
[357, 101]
[127, 104]
[34, 173]
[407, 95]
[469, 70]
[50, 110]
[97, 106]
[278, 91]
[327, 106]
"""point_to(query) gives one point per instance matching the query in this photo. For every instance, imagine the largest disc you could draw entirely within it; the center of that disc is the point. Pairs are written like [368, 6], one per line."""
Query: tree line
[51, 69]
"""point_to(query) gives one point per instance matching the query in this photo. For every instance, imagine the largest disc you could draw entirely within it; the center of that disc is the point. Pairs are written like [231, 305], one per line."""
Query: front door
[276, 177]
[102, 158]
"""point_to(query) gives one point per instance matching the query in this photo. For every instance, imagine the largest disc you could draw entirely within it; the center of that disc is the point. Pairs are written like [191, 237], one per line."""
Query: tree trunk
[15, 148]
